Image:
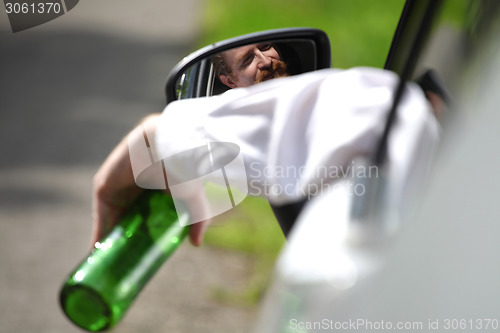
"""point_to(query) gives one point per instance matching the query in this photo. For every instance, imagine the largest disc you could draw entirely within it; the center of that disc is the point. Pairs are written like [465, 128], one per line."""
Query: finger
[199, 214]
[197, 232]
[104, 216]
[96, 222]
[100, 212]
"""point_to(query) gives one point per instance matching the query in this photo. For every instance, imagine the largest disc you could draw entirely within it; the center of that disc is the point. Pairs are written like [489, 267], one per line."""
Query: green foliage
[360, 31]
[249, 228]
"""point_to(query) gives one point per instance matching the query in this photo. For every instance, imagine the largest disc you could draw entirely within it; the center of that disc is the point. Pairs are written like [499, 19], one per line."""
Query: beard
[278, 69]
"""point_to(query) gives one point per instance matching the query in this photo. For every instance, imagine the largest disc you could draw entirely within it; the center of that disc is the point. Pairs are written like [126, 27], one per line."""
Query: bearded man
[247, 65]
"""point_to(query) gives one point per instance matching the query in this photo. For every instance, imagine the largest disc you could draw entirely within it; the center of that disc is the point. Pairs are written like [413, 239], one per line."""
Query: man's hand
[115, 189]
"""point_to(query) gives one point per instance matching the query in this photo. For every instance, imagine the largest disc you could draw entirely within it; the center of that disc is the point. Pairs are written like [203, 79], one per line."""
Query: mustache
[277, 69]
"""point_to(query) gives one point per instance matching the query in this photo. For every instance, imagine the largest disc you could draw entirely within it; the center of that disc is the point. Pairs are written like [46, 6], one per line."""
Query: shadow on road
[67, 98]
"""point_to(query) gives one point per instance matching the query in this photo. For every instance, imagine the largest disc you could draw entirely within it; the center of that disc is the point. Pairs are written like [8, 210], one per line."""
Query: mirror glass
[246, 65]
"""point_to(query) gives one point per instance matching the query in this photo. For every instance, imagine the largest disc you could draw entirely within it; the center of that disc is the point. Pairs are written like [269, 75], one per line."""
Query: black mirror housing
[304, 50]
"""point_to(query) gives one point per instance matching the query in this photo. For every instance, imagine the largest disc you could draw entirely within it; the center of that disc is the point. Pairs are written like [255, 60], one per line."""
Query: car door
[439, 272]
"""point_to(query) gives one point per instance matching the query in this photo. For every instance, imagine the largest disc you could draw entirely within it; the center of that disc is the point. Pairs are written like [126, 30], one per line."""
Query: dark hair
[220, 66]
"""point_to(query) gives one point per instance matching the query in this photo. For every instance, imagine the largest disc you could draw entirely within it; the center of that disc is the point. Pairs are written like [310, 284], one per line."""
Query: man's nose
[263, 60]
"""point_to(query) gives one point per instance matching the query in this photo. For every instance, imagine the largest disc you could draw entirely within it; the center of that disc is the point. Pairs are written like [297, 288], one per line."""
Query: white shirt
[301, 133]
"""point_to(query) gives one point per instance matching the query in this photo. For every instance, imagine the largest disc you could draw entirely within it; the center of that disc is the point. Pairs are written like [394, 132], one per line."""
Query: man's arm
[114, 189]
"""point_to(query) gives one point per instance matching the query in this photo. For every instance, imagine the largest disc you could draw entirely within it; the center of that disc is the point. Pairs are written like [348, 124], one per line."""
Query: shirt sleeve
[301, 133]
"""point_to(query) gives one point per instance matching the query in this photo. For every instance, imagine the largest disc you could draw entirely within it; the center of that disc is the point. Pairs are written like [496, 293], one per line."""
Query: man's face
[252, 64]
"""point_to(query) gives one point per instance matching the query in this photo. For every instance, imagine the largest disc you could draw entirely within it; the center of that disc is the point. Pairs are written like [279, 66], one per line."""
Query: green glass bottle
[99, 291]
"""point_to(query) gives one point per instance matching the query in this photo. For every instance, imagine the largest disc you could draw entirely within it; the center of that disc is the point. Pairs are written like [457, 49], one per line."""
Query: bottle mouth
[85, 308]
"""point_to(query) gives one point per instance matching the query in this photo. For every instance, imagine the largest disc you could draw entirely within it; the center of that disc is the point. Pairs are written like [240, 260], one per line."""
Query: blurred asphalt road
[69, 91]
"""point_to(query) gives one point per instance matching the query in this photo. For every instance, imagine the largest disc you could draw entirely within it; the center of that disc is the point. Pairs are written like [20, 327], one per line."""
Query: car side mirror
[232, 63]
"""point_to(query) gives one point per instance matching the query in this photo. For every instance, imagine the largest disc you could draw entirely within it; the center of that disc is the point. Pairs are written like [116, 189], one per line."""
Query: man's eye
[247, 61]
[264, 47]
